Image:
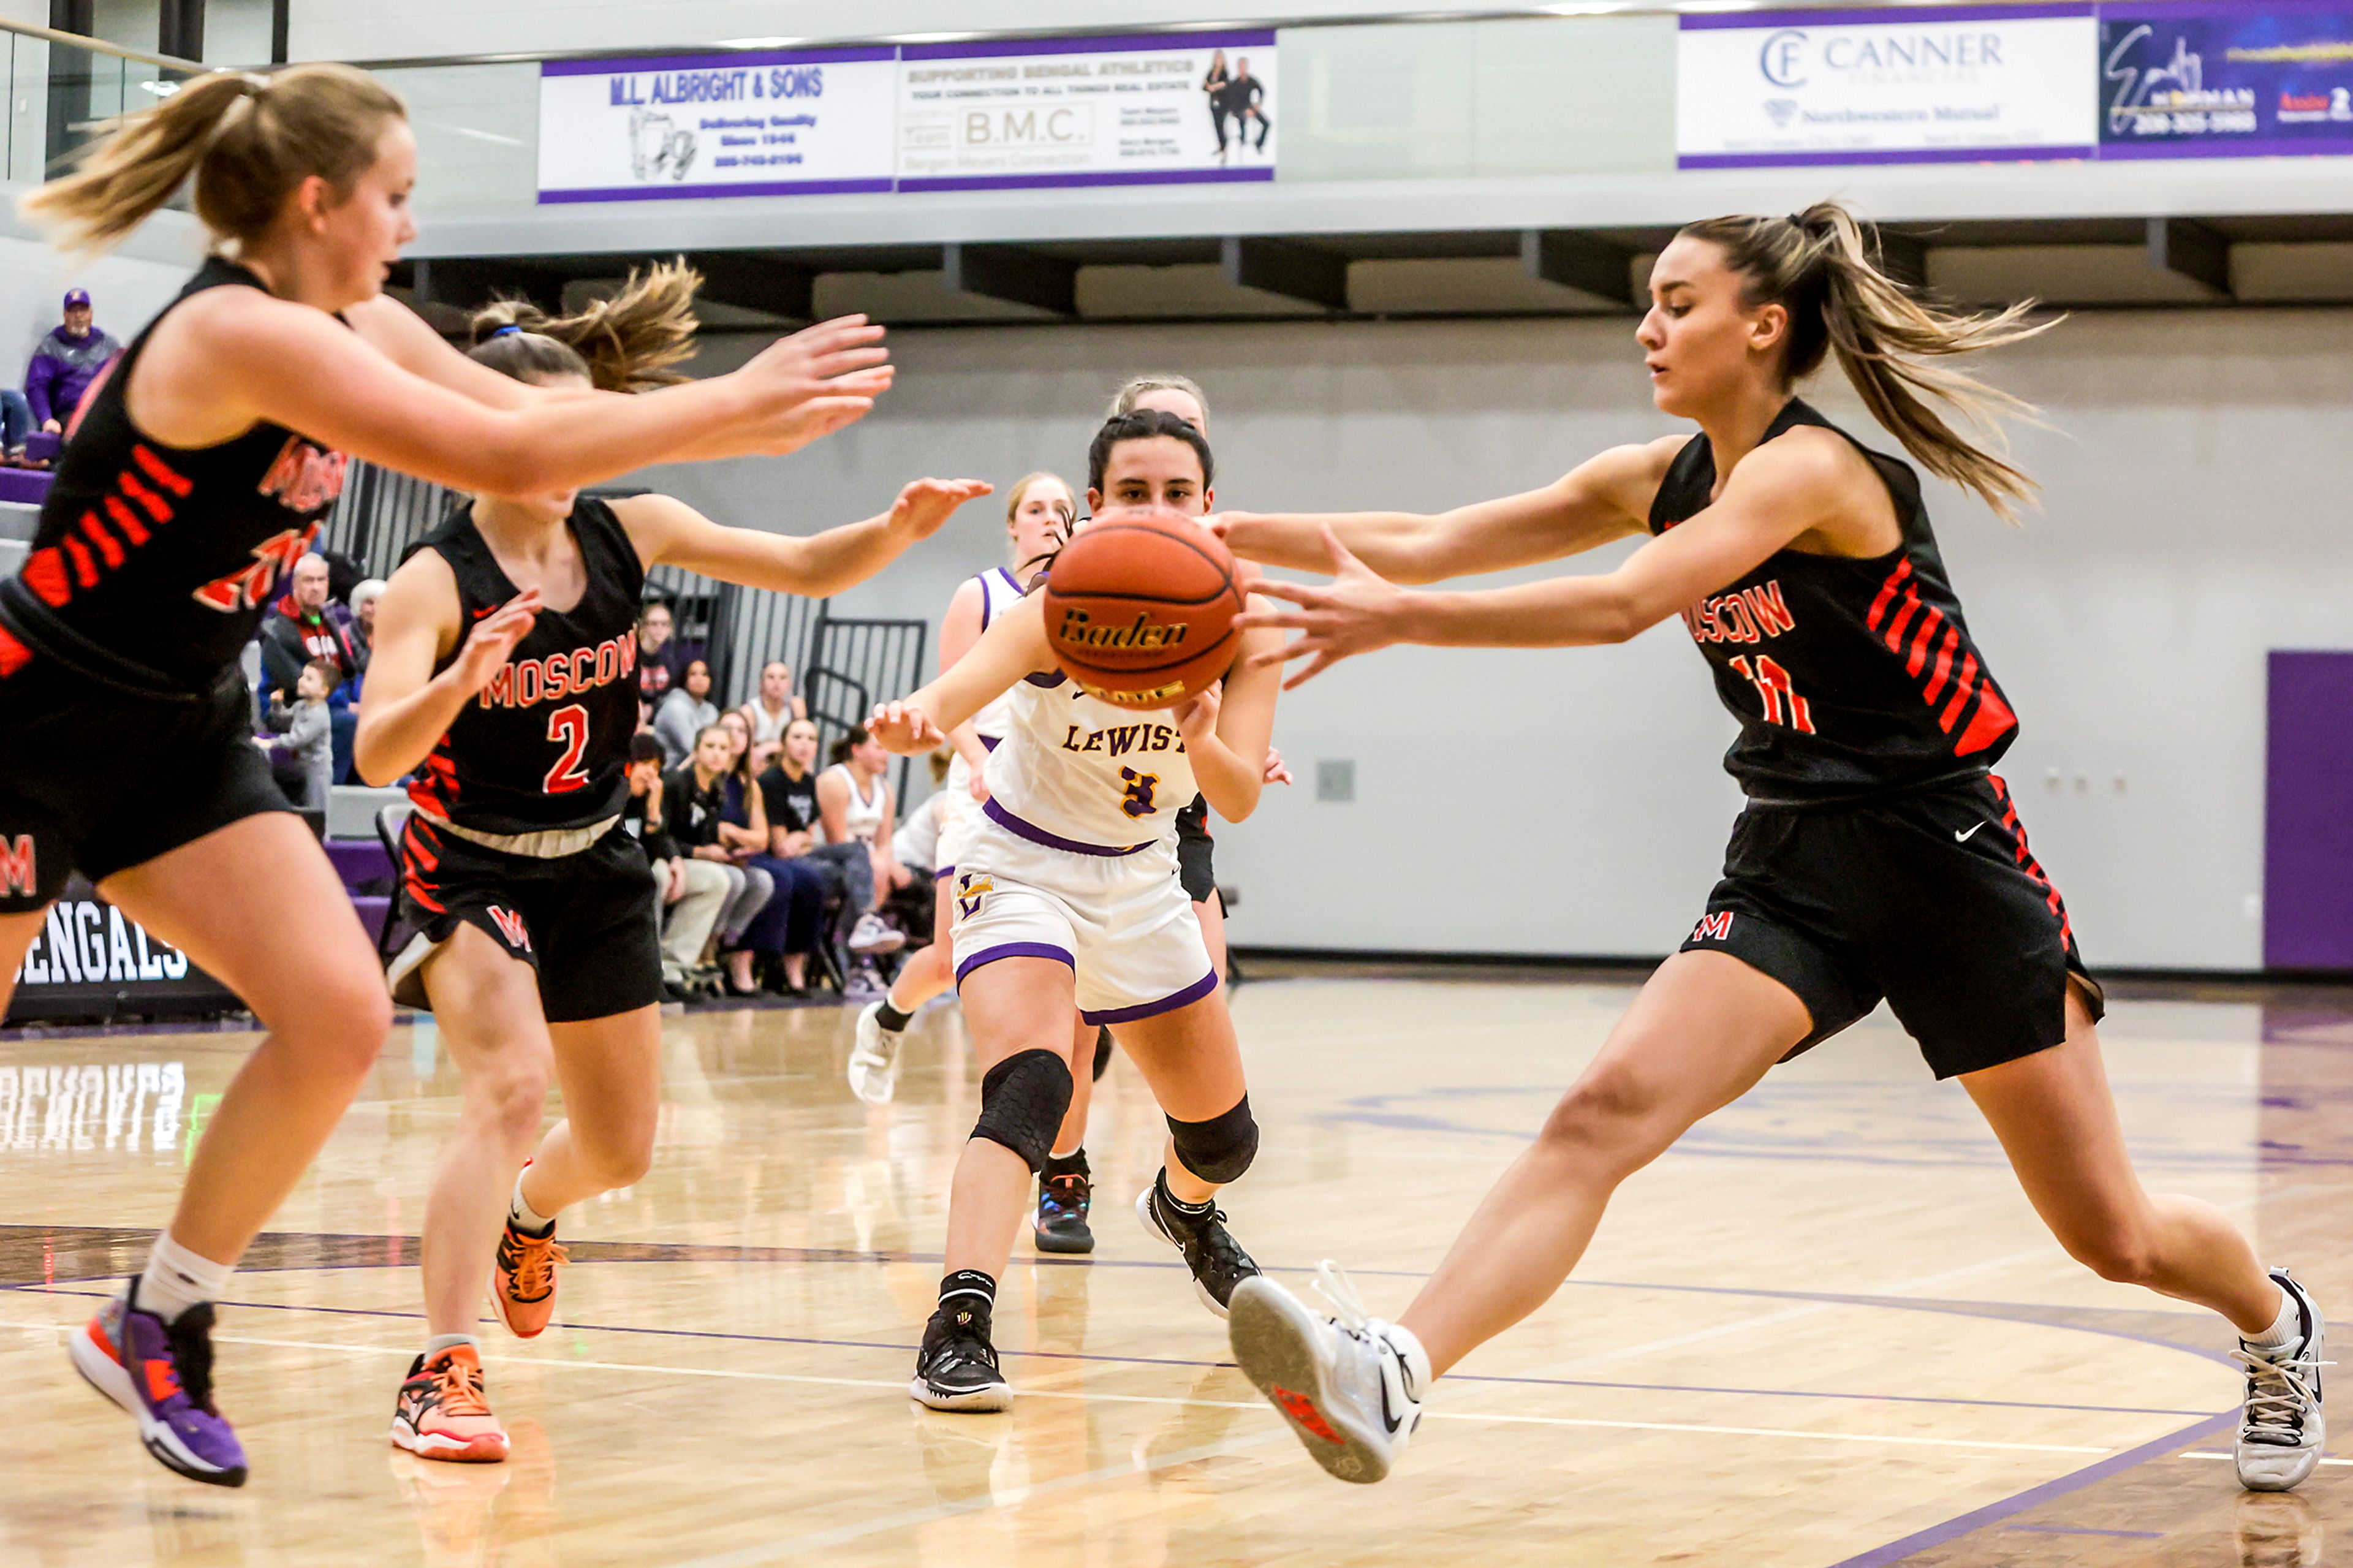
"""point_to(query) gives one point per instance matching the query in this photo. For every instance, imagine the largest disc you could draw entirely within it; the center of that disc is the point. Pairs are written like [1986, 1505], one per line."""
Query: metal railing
[64, 88]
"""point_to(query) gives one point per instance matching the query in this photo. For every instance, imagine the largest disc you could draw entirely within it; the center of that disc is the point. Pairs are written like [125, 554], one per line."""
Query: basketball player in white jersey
[1066, 900]
[1037, 519]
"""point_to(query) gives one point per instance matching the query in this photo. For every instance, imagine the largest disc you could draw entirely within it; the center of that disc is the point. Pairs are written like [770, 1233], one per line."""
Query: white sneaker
[2283, 1425]
[873, 934]
[1350, 1385]
[874, 1060]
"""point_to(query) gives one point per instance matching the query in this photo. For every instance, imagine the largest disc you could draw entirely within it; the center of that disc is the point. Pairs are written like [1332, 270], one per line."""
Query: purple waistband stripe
[1185, 998]
[1036, 835]
[1014, 950]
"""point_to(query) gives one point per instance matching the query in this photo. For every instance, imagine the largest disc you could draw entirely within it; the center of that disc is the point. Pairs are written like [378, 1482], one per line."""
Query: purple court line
[2035, 1497]
[2082, 1530]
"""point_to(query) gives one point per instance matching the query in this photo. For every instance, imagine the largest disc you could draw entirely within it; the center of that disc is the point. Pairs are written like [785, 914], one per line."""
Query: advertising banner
[1945, 85]
[1087, 111]
[2225, 81]
[92, 962]
[757, 123]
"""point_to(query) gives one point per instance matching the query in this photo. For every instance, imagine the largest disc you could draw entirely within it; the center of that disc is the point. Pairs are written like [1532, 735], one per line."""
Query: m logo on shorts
[971, 888]
[1717, 927]
[20, 872]
[517, 934]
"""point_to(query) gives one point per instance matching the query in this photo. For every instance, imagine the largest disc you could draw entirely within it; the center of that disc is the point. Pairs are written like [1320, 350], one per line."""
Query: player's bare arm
[670, 531]
[406, 708]
[1014, 646]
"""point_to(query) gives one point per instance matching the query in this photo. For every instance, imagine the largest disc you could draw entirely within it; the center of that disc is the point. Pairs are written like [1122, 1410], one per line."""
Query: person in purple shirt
[65, 365]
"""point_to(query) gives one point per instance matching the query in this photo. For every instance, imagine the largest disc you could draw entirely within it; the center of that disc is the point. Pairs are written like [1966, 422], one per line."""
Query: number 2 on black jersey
[568, 727]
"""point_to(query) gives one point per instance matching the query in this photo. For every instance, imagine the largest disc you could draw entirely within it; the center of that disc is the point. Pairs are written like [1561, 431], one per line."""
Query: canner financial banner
[2218, 82]
[1953, 84]
[750, 124]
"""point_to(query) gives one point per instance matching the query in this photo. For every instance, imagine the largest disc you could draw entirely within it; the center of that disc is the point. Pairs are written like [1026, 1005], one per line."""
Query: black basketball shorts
[1193, 849]
[1930, 900]
[96, 778]
[588, 923]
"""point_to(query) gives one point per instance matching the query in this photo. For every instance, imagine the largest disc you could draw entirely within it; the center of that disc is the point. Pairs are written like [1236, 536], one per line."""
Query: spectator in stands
[795, 833]
[693, 892]
[15, 424]
[303, 755]
[299, 631]
[916, 847]
[65, 365]
[687, 710]
[854, 805]
[767, 713]
[656, 674]
[694, 808]
[363, 627]
[743, 829]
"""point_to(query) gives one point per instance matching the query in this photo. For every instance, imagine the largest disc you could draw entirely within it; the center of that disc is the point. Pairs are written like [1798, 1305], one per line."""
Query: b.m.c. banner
[757, 123]
[2207, 80]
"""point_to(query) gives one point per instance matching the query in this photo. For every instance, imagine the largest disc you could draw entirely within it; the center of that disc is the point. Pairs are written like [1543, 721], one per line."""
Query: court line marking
[742, 1375]
[2210, 1454]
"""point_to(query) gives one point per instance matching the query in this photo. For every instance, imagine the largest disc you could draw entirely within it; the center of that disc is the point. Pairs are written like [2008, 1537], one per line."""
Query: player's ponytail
[626, 342]
[249, 142]
[1824, 267]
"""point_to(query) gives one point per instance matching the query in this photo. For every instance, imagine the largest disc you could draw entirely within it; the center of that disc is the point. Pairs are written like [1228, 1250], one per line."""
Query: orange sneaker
[442, 1413]
[524, 1286]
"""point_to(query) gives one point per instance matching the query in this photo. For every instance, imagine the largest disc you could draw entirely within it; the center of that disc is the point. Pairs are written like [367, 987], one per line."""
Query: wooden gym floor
[1825, 1330]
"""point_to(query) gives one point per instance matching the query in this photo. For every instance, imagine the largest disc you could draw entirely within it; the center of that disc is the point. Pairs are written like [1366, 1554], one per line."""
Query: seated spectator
[916, 847]
[298, 631]
[768, 713]
[656, 671]
[15, 424]
[854, 806]
[789, 791]
[693, 805]
[303, 757]
[785, 927]
[693, 892]
[686, 712]
[64, 363]
[362, 633]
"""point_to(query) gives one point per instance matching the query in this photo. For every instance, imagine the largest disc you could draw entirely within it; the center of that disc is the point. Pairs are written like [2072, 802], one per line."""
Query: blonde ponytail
[1824, 267]
[249, 141]
[626, 342]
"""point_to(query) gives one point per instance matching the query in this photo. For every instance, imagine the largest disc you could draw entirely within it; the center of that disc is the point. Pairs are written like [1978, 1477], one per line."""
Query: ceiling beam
[757, 283]
[1584, 262]
[1011, 273]
[2192, 250]
[1282, 266]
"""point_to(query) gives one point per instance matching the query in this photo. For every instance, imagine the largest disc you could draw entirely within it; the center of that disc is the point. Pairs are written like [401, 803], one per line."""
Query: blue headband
[503, 332]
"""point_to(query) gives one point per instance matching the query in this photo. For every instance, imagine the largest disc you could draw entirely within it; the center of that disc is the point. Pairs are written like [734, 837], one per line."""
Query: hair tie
[503, 332]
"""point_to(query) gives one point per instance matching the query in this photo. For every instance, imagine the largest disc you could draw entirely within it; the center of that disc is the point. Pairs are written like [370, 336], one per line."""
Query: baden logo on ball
[1140, 608]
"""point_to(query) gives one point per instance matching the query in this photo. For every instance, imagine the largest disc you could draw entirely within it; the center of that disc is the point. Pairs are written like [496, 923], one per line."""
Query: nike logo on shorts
[1960, 838]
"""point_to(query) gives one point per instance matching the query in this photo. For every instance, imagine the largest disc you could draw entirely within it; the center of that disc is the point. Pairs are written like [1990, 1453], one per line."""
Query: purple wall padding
[2308, 813]
[30, 485]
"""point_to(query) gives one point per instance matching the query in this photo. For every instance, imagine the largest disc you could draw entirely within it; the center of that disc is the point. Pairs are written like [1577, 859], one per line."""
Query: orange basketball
[1140, 608]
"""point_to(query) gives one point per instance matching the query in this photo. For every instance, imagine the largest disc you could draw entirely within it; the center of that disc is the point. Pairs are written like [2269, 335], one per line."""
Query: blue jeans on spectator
[787, 922]
[15, 420]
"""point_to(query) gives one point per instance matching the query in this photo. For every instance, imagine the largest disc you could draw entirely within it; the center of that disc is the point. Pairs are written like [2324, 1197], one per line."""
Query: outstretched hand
[1357, 612]
[904, 729]
[925, 504]
[492, 641]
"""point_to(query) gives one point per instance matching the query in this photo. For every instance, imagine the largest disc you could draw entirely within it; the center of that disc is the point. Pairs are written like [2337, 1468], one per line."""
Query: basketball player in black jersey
[535, 922]
[1879, 856]
[195, 475]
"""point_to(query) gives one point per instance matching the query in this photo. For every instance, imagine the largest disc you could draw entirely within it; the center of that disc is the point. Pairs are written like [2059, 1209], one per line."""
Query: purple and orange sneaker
[162, 1374]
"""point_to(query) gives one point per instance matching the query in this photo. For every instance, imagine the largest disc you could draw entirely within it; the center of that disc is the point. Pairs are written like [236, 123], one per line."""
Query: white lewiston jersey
[998, 593]
[1085, 774]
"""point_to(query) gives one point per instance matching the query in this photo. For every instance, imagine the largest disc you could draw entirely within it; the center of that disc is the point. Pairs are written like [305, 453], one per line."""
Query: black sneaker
[1063, 1196]
[1215, 1259]
[957, 1367]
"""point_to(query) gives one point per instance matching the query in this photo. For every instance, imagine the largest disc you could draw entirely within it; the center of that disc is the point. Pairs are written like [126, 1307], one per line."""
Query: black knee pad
[1220, 1148]
[1022, 1101]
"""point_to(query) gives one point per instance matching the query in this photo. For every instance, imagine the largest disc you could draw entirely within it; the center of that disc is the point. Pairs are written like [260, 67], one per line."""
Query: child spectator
[305, 752]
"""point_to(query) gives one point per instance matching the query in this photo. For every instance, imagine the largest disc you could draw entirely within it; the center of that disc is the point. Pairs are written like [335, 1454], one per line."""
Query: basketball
[1140, 608]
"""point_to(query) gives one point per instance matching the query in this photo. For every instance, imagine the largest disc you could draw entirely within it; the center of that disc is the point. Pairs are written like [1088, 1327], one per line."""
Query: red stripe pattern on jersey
[1921, 636]
[417, 856]
[434, 786]
[2026, 860]
[54, 572]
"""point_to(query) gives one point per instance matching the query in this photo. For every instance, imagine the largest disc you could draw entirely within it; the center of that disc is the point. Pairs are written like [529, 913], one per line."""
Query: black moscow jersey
[545, 747]
[165, 557]
[1849, 677]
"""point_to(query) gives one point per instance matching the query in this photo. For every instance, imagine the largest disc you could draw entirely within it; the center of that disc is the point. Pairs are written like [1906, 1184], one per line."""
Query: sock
[440, 1343]
[176, 1279]
[889, 1017]
[1192, 1211]
[2286, 1331]
[524, 1218]
[1072, 1163]
[970, 1294]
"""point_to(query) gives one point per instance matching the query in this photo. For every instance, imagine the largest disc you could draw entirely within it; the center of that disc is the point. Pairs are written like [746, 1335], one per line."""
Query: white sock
[525, 1217]
[440, 1343]
[176, 1279]
[2286, 1331]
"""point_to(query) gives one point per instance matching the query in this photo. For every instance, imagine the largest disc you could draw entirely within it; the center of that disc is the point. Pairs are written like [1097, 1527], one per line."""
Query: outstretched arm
[1777, 493]
[1606, 498]
[1014, 646]
[1228, 730]
[821, 564]
[406, 708]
